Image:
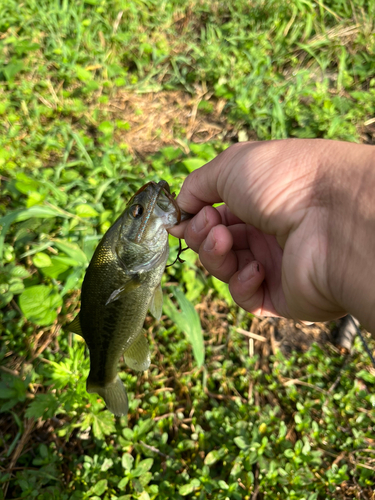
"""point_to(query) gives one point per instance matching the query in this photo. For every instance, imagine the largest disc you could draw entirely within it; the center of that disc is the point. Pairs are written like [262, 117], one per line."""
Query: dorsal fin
[75, 326]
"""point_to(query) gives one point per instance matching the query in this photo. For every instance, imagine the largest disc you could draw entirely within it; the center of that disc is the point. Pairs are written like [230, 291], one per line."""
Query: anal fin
[137, 356]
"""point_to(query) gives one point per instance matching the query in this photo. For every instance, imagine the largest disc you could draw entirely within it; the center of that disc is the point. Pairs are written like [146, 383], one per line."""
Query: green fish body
[121, 284]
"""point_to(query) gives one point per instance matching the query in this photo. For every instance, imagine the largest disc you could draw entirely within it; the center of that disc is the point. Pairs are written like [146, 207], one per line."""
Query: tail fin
[114, 395]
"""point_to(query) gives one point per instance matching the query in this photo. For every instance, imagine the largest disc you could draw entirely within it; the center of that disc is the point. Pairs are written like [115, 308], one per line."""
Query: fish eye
[136, 211]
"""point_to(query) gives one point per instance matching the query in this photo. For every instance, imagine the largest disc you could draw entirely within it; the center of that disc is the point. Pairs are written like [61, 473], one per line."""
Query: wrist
[348, 190]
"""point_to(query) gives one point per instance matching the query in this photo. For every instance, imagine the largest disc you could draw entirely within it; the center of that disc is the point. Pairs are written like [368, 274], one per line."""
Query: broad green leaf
[241, 442]
[127, 461]
[223, 290]
[171, 153]
[11, 69]
[25, 184]
[124, 481]
[366, 376]
[212, 457]
[107, 464]
[16, 286]
[100, 487]
[58, 267]
[193, 163]
[143, 467]
[72, 280]
[19, 272]
[41, 259]
[189, 488]
[145, 478]
[40, 303]
[106, 128]
[72, 250]
[103, 424]
[85, 210]
[144, 426]
[5, 296]
[44, 405]
[83, 74]
[204, 150]
[236, 469]
[144, 496]
[137, 485]
[188, 322]
[223, 485]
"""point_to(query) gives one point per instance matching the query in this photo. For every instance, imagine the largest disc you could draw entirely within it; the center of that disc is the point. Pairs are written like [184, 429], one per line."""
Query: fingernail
[249, 271]
[209, 243]
[200, 221]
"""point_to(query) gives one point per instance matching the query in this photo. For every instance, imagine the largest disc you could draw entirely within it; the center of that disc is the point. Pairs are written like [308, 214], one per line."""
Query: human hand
[279, 240]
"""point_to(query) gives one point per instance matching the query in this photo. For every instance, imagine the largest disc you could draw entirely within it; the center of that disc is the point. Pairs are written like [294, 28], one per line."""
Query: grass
[97, 98]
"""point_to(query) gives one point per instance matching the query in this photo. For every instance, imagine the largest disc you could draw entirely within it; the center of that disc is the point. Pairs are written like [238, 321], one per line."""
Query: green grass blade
[187, 320]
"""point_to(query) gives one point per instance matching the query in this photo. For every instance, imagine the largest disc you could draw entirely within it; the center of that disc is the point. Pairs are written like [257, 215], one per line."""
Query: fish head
[153, 207]
[148, 214]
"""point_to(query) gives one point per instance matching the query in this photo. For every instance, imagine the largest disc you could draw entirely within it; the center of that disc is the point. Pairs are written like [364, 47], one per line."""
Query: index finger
[200, 188]
[213, 182]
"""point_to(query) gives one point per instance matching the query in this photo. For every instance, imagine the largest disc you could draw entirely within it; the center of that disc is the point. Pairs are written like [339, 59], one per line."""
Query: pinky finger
[247, 289]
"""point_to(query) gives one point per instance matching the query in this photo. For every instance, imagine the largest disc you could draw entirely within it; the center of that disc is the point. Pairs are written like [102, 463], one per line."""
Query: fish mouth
[160, 203]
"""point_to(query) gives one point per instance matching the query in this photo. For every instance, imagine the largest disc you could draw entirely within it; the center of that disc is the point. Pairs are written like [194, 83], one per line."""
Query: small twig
[251, 335]
[18, 468]
[15, 373]
[155, 450]
[48, 340]
[339, 458]
[117, 22]
[15, 305]
[222, 396]
[28, 427]
[156, 391]
[251, 348]
[166, 415]
[365, 466]
[335, 383]
[256, 482]
[296, 381]
[250, 391]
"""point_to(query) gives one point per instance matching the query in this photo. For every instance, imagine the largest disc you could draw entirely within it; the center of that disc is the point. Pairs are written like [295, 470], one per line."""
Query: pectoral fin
[132, 284]
[156, 303]
[75, 326]
[137, 356]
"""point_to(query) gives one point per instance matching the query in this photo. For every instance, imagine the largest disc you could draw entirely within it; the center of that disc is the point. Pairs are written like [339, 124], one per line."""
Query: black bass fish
[121, 284]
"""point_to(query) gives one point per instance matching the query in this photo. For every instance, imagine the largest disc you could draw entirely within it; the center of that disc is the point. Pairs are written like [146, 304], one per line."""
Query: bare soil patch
[167, 118]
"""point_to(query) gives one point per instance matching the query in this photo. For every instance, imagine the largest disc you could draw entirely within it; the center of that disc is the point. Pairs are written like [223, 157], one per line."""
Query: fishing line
[178, 258]
[364, 343]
